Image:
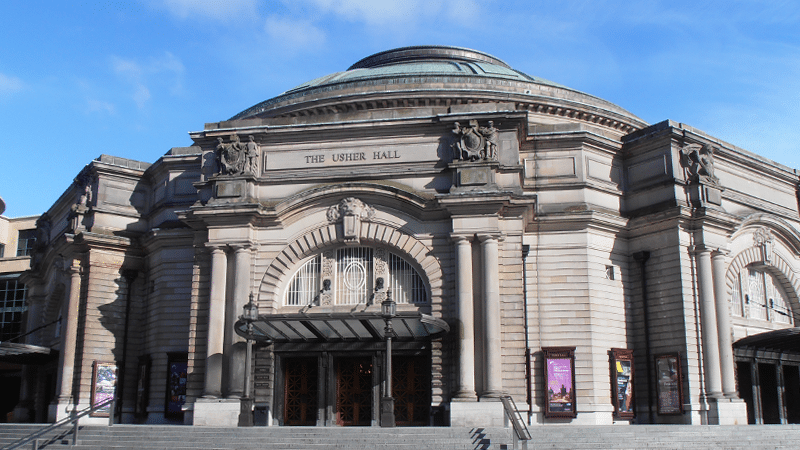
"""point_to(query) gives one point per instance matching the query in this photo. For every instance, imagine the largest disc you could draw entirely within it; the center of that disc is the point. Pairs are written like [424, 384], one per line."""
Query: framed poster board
[668, 384]
[104, 383]
[177, 367]
[559, 382]
[622, 382]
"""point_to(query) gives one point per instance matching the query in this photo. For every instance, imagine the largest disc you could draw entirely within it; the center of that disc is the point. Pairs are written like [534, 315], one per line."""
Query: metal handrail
[520, 429]
[66, 421]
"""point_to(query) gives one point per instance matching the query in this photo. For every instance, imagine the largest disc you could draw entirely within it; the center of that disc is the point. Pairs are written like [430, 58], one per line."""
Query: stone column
[241, 292]
[216, 324]
[491, 303]
[724, 326]
[708, 321]
[466, 324]
[70, 334]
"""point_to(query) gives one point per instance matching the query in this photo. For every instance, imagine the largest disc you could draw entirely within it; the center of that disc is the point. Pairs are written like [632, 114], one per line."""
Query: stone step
[653, 437]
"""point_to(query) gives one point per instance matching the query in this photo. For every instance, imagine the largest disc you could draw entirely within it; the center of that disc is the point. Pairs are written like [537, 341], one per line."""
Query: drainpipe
[641, 258]
[525, 250]
[130, 277]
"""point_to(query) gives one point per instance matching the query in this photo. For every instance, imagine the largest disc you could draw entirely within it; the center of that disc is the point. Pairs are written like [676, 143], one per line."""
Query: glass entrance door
[354, 391]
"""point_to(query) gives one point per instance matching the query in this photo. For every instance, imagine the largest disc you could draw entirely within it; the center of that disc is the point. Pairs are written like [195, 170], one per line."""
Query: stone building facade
[531, 236]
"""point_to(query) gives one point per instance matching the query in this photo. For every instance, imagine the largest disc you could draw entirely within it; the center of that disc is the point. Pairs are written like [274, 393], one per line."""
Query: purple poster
[559, 385]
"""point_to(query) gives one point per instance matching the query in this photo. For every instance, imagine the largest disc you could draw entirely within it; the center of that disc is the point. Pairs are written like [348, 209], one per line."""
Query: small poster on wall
[104, 383]
[668, 384]
[559, 381]
[177, 368]
[622, 382]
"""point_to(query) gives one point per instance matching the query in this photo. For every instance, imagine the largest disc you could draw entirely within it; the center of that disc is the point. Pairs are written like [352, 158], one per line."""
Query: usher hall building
[505, 234]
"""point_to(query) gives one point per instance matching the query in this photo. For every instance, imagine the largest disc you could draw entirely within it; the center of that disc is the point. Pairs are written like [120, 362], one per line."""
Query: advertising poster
[560, 382]
[104, 382]
[176, 385]
[668, 384]
[622, 382]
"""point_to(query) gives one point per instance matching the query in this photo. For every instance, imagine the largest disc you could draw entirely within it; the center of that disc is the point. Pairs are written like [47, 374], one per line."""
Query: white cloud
[224, 10]
[396, 12]
[164, 69]
[294, 34]
[10, 84]
[93, 105]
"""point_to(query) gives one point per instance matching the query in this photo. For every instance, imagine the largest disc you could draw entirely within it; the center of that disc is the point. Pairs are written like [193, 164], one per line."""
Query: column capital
[461, 237]
[719, 253]
[241, 246]
[483, 237]
[700, 249]
[74, 267]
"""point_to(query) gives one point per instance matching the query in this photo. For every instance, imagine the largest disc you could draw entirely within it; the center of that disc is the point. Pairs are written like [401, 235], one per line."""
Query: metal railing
[72, 420]
[513, 415]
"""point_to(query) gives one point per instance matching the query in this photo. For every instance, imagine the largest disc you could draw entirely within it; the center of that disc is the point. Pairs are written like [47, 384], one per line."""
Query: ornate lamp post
[388, 311]
[249, 316]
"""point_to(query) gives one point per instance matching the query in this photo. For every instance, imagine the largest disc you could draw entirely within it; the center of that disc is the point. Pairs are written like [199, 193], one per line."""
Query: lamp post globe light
[388, 312]
[249, 315]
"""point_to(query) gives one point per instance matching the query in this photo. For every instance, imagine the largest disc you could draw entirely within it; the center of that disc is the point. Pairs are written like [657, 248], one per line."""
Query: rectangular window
[25, 242]
[2, 250]
[12, 305]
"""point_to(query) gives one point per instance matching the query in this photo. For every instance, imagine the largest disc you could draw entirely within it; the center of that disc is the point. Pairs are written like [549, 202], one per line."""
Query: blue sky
[131, 79]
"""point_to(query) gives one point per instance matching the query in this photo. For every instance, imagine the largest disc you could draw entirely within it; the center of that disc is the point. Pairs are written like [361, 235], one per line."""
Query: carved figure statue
[251, 152]
[699, 161]
[474, 143]
[490, 144]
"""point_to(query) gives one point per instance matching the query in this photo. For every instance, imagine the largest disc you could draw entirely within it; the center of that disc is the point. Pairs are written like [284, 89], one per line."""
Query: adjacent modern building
[17, 242]
[535, 241]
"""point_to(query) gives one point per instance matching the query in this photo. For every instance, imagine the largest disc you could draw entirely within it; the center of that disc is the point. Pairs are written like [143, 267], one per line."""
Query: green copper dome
[431, 75]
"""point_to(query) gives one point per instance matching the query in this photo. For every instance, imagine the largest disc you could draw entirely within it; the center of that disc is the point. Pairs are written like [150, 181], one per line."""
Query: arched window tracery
[757, 294]
[355, 275]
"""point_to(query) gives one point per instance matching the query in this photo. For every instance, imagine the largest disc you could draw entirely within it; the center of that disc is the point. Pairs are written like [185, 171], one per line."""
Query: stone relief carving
[763, 238]
[351, 211]
[237, 157]
[699, 162]
[475, 143]
[326, 294]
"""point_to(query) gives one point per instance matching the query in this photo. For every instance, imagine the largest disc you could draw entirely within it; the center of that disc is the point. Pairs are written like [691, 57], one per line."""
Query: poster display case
[559, 382]
[668, 384]
[104, 383]
[622, 382]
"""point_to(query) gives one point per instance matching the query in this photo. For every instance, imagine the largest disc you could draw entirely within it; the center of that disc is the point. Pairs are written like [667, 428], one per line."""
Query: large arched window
[354, 275]
[757, 294]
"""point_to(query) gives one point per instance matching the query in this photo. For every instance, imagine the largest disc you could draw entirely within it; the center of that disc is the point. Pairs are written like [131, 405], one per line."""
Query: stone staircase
[184, 437]
[373, 438]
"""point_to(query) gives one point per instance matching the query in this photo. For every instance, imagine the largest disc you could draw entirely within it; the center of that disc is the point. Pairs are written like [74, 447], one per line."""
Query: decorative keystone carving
[237, 157]
[351, 211]
[762, 238]
[475, 143]
[699, 162]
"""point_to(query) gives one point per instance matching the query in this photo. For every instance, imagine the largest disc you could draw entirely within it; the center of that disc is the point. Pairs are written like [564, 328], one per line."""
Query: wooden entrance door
[301, 391]
[411, 389]
[354, 391]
